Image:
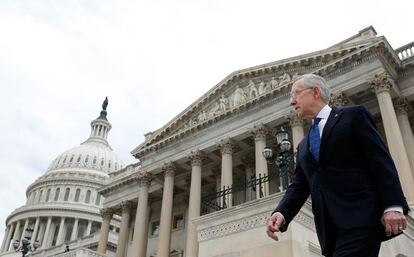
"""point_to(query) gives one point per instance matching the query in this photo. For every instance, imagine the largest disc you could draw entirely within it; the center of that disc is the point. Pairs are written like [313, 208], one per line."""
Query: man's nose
[292, 101]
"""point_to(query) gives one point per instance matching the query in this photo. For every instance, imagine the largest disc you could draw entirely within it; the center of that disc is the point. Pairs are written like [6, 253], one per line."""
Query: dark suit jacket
[354, 181]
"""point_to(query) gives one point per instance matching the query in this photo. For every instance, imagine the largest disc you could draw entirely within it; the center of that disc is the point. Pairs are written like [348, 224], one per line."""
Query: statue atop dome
[103, 112]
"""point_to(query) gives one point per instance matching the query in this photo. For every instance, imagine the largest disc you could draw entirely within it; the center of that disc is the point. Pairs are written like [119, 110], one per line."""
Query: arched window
[57, 194]
[98, 199]
[88, 196]
[77, 194]
[40, 196]
[66, 198]
[34, 196]
[48, 195]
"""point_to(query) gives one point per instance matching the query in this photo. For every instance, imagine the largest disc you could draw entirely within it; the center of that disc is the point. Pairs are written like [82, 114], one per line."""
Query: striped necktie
[315, 139]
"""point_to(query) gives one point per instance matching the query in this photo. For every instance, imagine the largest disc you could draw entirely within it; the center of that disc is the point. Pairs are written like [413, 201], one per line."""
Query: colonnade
[399, 137]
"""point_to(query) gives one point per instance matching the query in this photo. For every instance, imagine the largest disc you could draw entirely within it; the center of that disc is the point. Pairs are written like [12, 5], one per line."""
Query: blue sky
[59, 59]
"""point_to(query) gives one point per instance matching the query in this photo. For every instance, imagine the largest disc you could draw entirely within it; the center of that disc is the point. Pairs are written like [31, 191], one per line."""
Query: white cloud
[59, 59]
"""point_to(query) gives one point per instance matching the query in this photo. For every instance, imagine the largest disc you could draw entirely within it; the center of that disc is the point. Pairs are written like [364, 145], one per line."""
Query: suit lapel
[333, 118]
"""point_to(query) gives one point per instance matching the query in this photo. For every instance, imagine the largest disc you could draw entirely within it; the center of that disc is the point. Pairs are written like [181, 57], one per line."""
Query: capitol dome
[89, 156]
[63, 205]
[94, 154]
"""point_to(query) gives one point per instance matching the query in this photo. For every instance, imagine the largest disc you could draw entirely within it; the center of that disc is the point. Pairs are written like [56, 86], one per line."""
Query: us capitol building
[201, 187]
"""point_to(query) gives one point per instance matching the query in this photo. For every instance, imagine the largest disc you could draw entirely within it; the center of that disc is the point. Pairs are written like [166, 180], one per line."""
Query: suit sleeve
[378, 161]
[294, 198]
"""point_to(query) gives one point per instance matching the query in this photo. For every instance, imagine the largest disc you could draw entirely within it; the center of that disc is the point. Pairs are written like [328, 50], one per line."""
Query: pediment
[244, 88]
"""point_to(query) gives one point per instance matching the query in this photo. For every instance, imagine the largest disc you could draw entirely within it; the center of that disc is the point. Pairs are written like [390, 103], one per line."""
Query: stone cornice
[132, 178]
[71, 177]
[329, 64]
[67, 208]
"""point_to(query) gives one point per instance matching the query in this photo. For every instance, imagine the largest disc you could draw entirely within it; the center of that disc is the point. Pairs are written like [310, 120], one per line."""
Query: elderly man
[342, 162]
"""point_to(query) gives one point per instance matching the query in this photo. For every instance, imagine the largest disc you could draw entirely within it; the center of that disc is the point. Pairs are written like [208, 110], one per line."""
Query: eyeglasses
[294, 94]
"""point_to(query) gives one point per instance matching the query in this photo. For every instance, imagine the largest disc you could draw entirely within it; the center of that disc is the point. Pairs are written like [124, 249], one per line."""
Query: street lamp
[283, 159]
[25, 246]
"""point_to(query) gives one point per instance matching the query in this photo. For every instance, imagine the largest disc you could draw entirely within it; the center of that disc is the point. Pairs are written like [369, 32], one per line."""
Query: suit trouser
[357, 242]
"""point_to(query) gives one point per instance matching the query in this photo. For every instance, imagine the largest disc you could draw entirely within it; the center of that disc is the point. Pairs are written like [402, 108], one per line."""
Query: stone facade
[211, 191]
[202, 187]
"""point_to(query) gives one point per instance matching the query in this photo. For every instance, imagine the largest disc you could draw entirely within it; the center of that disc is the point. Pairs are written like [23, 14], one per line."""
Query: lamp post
[283, 159]
[25, 246]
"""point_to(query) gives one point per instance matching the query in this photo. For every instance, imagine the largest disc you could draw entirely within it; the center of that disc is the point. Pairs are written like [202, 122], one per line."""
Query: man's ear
[316, 91]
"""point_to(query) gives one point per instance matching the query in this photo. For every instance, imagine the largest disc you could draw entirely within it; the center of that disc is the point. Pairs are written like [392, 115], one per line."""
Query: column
[36, 228]
[45, 242]
[41, 231]
[5, 238]
[402, 108]
[60, 237]
[296, 123]
[248, 162]
[140, 237]
[123, 233]
[26, 224]
[74, 234]
[382, 85]
[16, 235]
[88, 228]
[194, 207]
[103, 237]
[8, 238]
[166, 210]
[226, 149]
[259, 132]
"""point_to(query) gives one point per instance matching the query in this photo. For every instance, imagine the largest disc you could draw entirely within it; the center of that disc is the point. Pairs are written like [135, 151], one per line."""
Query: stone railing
[406, 51]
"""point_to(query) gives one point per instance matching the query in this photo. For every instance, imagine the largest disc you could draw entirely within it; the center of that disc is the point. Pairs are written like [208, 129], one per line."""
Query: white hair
[311, 80]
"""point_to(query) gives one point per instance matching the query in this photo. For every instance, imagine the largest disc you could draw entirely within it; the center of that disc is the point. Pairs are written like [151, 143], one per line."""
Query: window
[178, 221]
[57, 194]
[87, 159]
[98, 199]
[40, 196]
[47, 195]
[66, 198]
[155, 228]
[34, 197]
[71, 159]
[79, 158]
[94, 160]
[88, 196]
[77, 194]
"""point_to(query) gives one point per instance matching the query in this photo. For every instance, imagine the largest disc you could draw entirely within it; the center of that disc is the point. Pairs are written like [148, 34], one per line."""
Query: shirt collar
[324, 113]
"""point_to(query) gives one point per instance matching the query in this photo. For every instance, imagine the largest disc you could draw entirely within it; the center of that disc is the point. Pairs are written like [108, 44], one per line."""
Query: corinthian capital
[294, 119]
[106, 213]
[196, 157]
[226, 146]
[168, 168]
[381, 83]
[339, 99]
[260, 131]
[145, 178]
[126, 206]
[401, 106]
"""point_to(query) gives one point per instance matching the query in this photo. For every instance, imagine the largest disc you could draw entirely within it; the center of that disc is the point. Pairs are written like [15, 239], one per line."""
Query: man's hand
[273, 224]
[394, 222]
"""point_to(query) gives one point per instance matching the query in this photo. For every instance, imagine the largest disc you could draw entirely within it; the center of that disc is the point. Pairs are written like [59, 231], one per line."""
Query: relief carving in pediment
[242, 93]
